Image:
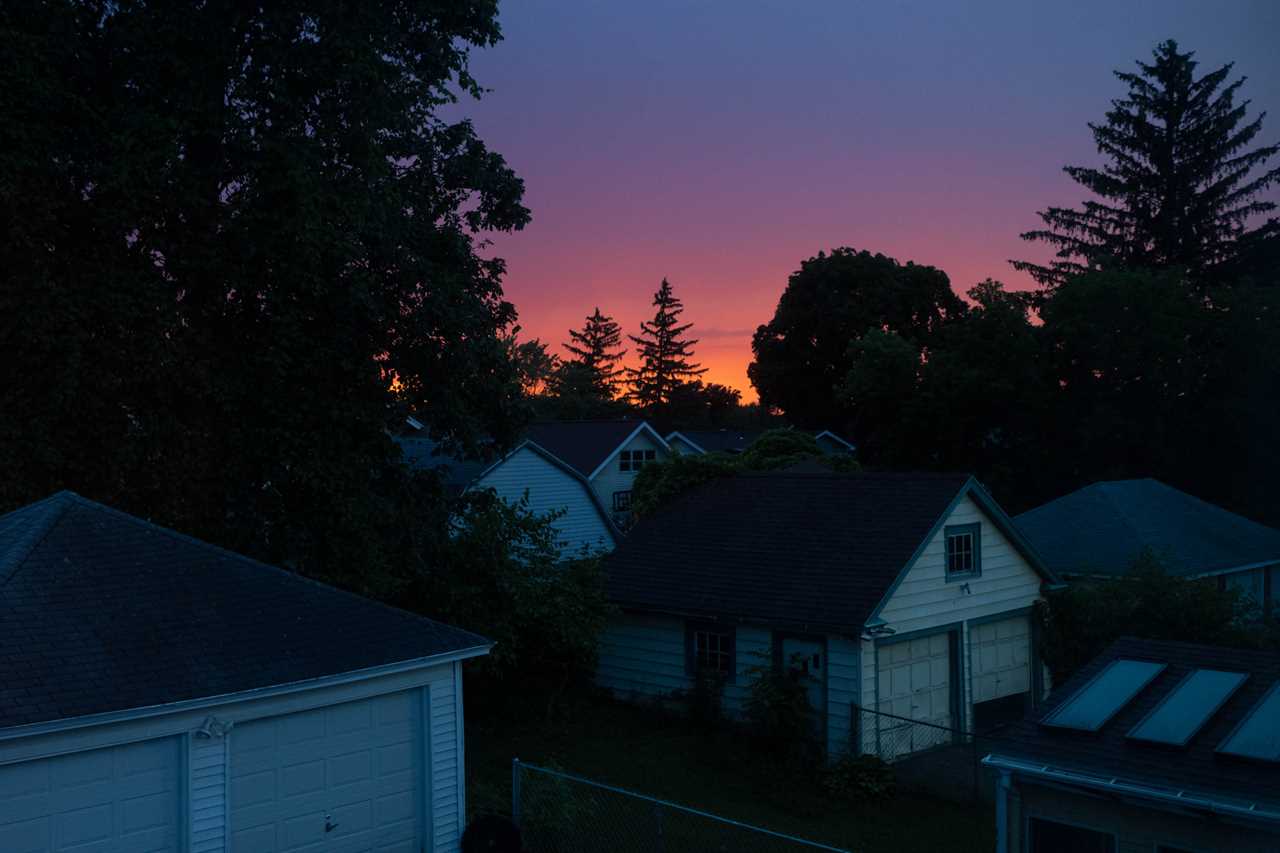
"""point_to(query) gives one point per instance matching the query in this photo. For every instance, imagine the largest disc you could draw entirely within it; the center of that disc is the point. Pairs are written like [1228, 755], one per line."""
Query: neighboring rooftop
[815, 550]
[1102, 528]
[1183, 743]
[583, 445]
[720, 440]
[102, 611]
[424, 453]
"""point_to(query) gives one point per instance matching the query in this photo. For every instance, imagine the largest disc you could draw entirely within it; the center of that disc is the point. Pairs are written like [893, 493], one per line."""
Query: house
[423, 453]
[1157, 747]
[582, 469]
[738, 440]
[906, 594]
[161, 694]
[1100, 530]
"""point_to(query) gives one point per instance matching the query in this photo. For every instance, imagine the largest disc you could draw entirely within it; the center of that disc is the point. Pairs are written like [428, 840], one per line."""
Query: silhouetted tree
[597, 349]
[664, 352]
[803, 353]
[536, 368]
[1180, 184]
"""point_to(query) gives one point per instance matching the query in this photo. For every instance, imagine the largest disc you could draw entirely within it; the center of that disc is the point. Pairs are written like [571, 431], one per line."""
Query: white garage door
[1001, 658]
[340, 780]
[124, 799]
[915, 684]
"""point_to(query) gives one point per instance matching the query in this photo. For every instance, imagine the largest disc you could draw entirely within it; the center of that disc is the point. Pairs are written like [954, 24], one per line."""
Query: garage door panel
[121, 799]
[1001, 658]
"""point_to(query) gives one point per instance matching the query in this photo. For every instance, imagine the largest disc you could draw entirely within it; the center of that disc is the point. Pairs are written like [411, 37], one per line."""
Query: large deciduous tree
[1180, 184]
[597, 350]
[226, 230]
[665, 353]
[803, 353]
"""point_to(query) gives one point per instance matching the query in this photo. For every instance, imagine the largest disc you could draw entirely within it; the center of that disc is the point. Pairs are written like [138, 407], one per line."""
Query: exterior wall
[1137, 829]
[642, 657]
[1251, 584]
[925, 601]
[551, 488]
[612, 479]
[208, 759]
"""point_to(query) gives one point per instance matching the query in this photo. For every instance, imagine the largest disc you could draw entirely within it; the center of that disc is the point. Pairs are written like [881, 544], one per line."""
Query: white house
[582, 469]
[906, 594]
[162, 695]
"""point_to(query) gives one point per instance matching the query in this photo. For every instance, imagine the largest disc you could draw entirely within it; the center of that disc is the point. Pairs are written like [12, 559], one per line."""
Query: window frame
[692, 629]
[974, 531]
[625, 500]
[634, 460]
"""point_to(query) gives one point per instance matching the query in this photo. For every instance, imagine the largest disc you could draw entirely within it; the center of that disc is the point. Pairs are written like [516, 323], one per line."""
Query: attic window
[634, 460]
[964, 550]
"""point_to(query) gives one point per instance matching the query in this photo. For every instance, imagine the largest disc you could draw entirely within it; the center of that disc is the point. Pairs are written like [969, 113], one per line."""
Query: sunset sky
[719, 144]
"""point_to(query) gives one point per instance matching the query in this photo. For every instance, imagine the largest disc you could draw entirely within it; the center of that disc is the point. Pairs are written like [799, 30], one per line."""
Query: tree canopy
[1180, 184]
[665, 353]
[803, 353]
[597, 351]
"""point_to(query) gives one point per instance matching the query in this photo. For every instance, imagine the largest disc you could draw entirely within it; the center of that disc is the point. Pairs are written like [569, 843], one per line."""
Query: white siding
[446, 766]
[551, 488]
[842, 691]
[613, 479]
[925, 600]
[208, 764]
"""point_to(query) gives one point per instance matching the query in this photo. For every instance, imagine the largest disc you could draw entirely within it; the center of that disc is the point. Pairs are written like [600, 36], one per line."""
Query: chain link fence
[561, 813]
[928, 758]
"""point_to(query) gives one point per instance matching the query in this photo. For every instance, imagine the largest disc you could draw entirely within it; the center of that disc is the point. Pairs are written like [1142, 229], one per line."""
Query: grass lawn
[638, 749]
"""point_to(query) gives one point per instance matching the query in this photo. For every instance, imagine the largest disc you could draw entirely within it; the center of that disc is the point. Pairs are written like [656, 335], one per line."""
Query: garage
[914, 684]
[123, 799]
[346, 777]
[1000, 669]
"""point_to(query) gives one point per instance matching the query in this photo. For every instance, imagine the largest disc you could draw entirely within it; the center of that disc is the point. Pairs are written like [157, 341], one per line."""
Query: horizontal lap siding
[842, 691]
[445, 767]
[550, 489]
[208, 763]
[613, 479]
[925, 600]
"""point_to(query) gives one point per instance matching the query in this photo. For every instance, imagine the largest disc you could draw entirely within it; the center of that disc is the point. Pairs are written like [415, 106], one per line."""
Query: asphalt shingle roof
[102, 611]
[582, 445]
[787, 548]
[1109, 753]
[425, 454]
[1101, 528]
[722, 440]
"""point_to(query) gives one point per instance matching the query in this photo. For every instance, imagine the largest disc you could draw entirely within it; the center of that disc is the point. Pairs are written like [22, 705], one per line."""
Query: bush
[859, 778]
[777, 707]
[704, 701]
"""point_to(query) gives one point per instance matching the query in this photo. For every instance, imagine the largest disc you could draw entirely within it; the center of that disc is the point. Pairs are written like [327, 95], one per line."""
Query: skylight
[1181, 714]
[1258, 735]
[1108, 692]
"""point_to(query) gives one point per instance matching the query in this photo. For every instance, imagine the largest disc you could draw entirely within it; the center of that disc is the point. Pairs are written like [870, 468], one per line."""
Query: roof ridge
[235, 555]
[56, 505]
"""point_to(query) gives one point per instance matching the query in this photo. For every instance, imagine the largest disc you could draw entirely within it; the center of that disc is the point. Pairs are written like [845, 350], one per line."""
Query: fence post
[515, 791]
[657, 818]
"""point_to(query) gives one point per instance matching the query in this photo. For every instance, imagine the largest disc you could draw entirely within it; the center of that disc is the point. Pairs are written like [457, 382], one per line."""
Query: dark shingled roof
[101, 611]
[1196, 768]
[582, 445]
[722, 440]
[424, 454]
[1102, 528]
[786, 548]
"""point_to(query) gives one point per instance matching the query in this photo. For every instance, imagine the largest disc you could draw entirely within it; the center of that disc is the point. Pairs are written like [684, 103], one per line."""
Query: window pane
[1189, 707]
[1259, 735]
[1108, 692]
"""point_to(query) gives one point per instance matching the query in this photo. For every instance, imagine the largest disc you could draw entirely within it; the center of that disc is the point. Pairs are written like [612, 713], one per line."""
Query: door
[915, 687]
[1000, 669]
[123, 799]
[341, 779]
[806, 657]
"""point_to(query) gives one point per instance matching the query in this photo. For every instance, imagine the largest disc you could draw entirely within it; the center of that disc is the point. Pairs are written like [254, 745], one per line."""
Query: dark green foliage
[859, 779]
[536, 368]
[777, 706]
[704, 701]
[1080, 621]
[225, 231]
[659, 483]
[664, 352]
[597, 351]
[1180, 184]
[693, 405]
[802, 354]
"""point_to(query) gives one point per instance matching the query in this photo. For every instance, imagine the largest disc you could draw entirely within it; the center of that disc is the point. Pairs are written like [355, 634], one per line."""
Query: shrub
[777, 707]
[859, 778]
[704, 701]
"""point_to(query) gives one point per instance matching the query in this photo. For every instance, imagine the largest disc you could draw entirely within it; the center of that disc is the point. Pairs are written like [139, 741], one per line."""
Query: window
[710, 649]
[622, 501]
[1050, 836]
[1092, 705]
[964, 550]
[634, 460]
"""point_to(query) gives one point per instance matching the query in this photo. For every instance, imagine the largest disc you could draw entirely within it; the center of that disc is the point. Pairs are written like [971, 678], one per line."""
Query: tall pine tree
[596, 350]
[1180, 185]
[664, 352]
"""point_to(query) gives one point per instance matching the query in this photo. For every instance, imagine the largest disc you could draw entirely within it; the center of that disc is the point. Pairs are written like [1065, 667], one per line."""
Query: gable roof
[423, 453]
[817, 551]
[1102, 528]
[1197, 769]
[719, 440]
[586, 446]
[102, 611]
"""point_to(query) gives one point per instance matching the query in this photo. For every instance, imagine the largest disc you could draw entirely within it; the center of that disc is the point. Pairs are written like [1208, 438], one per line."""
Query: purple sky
[719, 143]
